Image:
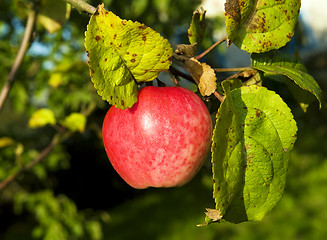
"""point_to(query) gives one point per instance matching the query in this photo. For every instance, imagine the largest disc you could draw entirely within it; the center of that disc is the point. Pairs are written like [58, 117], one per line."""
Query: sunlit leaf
[275, 63]
[197, 27]
[6, 141]
[260, 26]
[254, 135]
[75, 122]
[203, 75]
[121, 54]
[55, 79]
[41, 118]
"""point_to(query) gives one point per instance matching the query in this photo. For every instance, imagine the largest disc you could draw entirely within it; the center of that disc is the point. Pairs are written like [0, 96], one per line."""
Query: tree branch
[233, 69]
[42, 155]
[19, 58]
[61, 136]
[212, 47]
[82, 6]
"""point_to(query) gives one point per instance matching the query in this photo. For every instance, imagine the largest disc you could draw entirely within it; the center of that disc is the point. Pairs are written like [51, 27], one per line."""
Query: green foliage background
[74, 192]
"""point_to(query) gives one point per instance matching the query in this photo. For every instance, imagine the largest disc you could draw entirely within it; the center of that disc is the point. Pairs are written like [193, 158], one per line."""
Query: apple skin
[162, 141]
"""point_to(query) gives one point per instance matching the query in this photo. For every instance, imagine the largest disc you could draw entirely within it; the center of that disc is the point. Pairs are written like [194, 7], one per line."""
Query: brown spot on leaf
[105, 59]
[144, 38]
[115, 36]
[289, 36]
[142, 26]
[257, 112]
[122, 103]
[134, 55]
[124, 22]
[97, 38]
[133, 60]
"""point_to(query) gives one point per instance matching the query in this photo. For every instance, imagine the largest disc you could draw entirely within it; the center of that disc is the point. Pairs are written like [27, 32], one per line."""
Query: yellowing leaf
[203, 75]
[261, 26]
[75, 122]
[6, 141]
[41, 118]
[121, 54]
[55, 80]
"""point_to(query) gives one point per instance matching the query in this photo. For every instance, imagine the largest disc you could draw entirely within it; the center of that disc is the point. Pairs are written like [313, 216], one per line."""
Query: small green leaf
[197, 27]
[53, 14]
[276, 63]
[254, 135]
[260, 26]
[41, 118]
[75, 122]
[55, 79]
[121, 54]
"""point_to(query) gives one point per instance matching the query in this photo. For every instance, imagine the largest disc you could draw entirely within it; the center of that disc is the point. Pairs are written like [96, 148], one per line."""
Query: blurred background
[74, 193]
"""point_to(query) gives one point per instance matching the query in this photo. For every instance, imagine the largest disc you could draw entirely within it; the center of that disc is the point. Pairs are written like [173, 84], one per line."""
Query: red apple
[162, 141]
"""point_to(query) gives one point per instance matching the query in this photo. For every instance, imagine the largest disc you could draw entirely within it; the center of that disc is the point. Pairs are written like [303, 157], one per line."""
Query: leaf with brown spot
[253, 137]
[197, 27]
[121, 54]
[260, 26]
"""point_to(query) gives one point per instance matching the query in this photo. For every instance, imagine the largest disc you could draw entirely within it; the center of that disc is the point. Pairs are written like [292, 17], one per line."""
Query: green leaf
[75, 122]
[276, 63]
[53, 14]
[121, 54]
[253, 138]
[260, 26]
[197, 27]
[227, 153]
[55, 79]
[41, 118]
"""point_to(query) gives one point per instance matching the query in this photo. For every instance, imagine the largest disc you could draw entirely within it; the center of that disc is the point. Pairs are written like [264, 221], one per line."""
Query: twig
[233, 69]
[212, 47]
[177, 72]
[82, 6]
[42, 155]
[61, 136]
[19, 58]
[218, 96]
